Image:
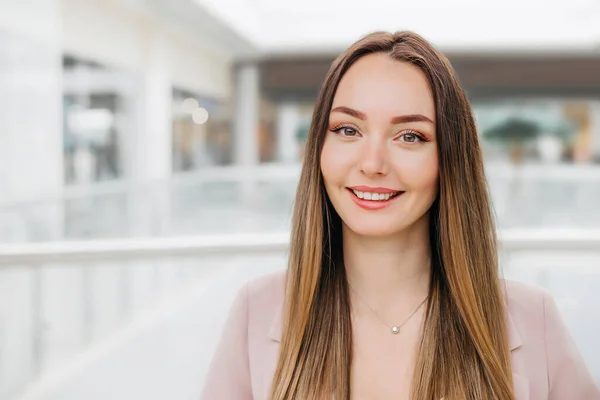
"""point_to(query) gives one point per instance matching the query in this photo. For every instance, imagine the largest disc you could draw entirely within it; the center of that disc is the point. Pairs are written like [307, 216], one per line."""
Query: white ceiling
[313, 25]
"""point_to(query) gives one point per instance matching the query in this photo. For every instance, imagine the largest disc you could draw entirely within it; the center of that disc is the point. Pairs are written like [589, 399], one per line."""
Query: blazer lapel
[276, 323]
[514, 336]
[520, 382]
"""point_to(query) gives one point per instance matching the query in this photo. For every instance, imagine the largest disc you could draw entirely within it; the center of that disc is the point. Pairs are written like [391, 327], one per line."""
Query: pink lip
[373, 204]
[373, 189]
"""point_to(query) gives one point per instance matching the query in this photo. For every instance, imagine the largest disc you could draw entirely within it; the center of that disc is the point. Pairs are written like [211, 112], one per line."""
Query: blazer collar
[514, 336]
[276, 324]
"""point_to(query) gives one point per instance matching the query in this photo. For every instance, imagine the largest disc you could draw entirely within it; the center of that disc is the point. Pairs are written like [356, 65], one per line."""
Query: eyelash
[420, 137]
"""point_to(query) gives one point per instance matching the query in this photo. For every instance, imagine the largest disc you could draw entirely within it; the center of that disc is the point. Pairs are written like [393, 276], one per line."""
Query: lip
[373, 189]
[373, 204]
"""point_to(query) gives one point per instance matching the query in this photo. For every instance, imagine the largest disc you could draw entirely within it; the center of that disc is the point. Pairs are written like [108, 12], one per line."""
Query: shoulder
[522, 297]
[265, 296]
[537, 314]
[530, 302]
[267, 288]
[526, 305]
[240, 354]
[258, 297]
[547, 343]
[256, 305]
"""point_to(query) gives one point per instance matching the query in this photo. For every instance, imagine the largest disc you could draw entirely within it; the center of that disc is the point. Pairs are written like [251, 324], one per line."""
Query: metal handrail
[119, 249]
[558, 239]
[252, 243]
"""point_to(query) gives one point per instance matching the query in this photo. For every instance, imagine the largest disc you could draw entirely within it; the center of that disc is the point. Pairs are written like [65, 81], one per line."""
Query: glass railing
[260, 199]
[60, 302]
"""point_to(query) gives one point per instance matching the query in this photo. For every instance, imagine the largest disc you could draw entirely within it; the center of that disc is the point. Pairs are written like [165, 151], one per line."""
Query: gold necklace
[394, 328]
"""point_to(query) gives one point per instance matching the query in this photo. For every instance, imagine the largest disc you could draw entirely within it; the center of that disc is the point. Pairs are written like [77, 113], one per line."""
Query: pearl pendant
[395, 330]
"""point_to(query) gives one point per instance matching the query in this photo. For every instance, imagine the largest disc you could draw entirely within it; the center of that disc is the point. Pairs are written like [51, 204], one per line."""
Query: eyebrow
[401, 119]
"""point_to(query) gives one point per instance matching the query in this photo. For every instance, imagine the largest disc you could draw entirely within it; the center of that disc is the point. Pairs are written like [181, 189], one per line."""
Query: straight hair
[464, 349]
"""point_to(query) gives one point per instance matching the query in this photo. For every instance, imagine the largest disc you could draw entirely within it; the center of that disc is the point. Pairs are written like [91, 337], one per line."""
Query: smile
[374, 196]
[374, 199]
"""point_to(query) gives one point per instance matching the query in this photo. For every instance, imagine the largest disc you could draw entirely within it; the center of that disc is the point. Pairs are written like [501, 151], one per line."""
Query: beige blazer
[546, 363]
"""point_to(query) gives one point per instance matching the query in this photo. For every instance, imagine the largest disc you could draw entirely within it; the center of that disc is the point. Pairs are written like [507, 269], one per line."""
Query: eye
[346, 131]
[410, 137]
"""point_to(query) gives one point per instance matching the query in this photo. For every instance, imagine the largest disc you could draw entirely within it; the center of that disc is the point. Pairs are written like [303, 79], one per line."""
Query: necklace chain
[394, 328]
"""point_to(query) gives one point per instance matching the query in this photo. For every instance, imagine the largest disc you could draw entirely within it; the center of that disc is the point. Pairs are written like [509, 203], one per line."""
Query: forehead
[379, 85]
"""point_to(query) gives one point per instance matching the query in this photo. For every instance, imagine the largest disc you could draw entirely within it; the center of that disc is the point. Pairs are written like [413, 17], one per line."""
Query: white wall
[120, 36]
[30, 167]
[17, 17]
[30, 100]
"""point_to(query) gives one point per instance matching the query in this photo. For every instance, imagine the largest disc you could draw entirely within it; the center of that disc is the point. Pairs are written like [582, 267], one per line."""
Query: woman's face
[379, 160]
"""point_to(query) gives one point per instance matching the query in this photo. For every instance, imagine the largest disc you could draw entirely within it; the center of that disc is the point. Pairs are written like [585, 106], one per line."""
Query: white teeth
[358, 194]
[373, 196]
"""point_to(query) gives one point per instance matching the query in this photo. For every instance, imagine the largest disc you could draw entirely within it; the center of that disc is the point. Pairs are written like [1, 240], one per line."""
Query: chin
[370, 229]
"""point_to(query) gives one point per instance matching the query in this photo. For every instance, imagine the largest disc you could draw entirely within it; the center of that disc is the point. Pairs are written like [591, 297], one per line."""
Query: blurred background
[150, 149]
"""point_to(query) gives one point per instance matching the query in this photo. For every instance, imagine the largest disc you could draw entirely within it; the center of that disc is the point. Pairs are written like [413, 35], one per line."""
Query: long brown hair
[464, 350]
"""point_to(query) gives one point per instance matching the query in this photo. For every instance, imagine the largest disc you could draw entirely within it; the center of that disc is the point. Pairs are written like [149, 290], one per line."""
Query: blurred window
[202, 131]
[94, 117]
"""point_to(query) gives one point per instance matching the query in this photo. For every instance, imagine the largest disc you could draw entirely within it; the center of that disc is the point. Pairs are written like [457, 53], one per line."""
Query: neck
[389, 271]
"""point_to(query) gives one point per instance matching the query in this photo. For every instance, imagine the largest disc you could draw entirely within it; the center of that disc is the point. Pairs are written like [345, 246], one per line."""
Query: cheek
[332, 162]
[326, 167]
[422, 172]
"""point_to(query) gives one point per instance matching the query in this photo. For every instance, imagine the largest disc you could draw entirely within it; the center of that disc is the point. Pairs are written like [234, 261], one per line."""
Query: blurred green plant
[513, 129]
[516, 132]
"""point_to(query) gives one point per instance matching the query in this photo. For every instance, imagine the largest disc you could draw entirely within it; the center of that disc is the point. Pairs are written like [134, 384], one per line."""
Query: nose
[374, 161]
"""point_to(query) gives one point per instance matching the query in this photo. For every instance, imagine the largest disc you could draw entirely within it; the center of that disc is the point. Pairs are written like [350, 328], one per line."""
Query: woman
[392, 289]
